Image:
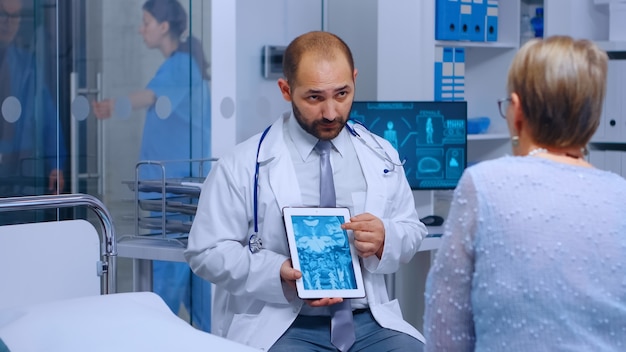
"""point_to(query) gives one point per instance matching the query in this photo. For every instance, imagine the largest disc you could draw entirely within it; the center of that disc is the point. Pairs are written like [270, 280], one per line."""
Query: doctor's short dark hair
[561, 83]
[324, 44]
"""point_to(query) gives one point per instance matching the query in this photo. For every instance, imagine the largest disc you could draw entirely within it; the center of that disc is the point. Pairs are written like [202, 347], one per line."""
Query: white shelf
[611, 46]
[488, 137]
[468, 44]
[430, 244]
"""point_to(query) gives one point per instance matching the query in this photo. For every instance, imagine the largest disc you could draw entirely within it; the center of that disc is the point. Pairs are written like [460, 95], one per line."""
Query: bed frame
[47, 261]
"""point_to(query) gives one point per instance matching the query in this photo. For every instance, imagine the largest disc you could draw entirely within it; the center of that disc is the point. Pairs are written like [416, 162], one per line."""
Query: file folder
[444, 74]
[458, 81]
[465, 20]
[479, 14]
[491, 21]
[438, 72]
[447, 19]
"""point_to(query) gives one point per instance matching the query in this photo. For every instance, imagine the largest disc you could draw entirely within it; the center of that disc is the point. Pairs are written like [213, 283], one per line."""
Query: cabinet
[591, 19]
[607, 149]
[486, 68]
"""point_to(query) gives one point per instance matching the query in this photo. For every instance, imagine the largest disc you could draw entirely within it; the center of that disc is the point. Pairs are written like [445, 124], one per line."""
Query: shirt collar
[305, 142]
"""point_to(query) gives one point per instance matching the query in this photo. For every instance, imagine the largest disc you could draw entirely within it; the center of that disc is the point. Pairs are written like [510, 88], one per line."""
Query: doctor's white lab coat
[249, 305]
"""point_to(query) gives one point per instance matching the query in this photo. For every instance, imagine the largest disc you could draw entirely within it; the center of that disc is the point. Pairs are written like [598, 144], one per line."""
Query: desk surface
[151, 248]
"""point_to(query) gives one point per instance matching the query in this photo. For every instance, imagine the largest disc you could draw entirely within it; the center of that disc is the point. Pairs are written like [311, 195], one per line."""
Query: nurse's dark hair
[324, 44]
[172, 11]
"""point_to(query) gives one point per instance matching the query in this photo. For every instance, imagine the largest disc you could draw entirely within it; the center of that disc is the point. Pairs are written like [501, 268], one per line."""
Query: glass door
[33, 133]
[138, 92]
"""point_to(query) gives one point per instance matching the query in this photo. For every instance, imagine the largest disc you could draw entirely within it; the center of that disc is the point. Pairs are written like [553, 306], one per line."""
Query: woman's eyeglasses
[503, 106]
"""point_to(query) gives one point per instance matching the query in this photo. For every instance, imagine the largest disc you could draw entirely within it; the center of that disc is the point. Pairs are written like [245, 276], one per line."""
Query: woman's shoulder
[178, 61]
[501, 164]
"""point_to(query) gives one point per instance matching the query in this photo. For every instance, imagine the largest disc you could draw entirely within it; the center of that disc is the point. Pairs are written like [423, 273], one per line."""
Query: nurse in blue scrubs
[177, 127]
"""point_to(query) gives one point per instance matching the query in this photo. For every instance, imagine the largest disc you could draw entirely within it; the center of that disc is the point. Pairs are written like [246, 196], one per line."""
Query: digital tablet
[324, 253]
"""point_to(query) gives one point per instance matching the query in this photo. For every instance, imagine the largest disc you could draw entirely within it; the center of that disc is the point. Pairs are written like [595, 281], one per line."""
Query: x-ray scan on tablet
[323, 252]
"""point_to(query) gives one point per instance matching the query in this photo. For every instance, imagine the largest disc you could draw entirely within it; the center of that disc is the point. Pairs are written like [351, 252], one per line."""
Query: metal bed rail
[108, 269]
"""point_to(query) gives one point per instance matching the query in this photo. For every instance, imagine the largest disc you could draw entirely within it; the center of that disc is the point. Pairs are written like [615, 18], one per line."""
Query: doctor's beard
[322, 129]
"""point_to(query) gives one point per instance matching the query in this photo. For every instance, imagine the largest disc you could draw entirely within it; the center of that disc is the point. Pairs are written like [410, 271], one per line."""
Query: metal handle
[73, 136]
[74, 142]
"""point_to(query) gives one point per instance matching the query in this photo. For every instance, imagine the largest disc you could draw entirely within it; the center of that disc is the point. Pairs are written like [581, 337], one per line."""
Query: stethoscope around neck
[255, 244]
[381, 153]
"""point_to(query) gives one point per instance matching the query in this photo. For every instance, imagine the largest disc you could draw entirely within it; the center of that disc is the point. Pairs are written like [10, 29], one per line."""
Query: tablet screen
[323, 252]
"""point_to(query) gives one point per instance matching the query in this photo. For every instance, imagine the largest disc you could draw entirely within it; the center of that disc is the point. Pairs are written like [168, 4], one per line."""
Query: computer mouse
[432, 220]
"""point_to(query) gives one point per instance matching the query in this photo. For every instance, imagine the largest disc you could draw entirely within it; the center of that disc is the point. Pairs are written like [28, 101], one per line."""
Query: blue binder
[444, 74]
[479, 13]
[465, 20]
[458, 82]
[491, 21]
[438, 72]
[447, 19]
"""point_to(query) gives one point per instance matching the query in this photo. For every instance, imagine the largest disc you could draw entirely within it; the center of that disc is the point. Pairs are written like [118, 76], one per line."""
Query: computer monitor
[431, 136]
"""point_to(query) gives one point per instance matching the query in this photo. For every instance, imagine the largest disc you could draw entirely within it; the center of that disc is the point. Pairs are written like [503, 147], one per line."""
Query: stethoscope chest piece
[254, 243]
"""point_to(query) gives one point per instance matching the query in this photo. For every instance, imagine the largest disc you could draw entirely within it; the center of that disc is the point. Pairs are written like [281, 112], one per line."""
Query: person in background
[256, 302]
[176, 130]
[32, 149]
[533, 255]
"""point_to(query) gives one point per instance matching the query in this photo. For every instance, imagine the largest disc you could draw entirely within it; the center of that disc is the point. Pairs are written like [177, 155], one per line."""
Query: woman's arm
[448, 319]
[144, 98]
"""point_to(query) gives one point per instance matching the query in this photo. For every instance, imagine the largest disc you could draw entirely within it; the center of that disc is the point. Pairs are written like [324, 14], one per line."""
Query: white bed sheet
[138, 321]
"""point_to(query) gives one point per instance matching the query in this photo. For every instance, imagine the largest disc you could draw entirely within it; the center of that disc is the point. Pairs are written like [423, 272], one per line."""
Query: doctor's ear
[285, 90]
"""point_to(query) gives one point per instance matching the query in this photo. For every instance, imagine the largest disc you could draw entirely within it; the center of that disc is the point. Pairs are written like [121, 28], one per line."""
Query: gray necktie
[341, 324]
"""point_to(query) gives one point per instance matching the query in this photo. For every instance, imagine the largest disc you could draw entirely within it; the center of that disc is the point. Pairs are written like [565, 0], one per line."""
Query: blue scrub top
[185, 133]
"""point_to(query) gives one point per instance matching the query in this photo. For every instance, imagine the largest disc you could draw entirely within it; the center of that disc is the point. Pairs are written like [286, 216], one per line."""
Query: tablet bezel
[357, 289]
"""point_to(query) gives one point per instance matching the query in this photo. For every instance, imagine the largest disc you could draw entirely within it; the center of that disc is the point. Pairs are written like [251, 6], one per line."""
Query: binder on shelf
[465, 20]
[438, 72]
[479, 14]
[447, 14]
[444, 74]
[491, 21]
[458, 82]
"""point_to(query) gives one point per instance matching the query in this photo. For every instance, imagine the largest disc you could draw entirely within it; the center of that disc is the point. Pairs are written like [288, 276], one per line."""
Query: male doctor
[255, 298]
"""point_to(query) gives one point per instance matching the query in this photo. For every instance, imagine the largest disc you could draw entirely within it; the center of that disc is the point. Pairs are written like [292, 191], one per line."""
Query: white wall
[577, 18]
[243, 102]
[356, 22]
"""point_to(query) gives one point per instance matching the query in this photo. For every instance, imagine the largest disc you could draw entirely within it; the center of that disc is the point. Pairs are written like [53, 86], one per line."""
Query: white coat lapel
[372, 167]
[280, 170]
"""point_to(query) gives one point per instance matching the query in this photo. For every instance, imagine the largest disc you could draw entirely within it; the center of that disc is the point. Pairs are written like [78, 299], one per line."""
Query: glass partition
[91, 90]
[33, 137]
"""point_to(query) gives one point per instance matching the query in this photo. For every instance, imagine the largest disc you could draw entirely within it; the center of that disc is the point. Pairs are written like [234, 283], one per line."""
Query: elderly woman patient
[533, 256]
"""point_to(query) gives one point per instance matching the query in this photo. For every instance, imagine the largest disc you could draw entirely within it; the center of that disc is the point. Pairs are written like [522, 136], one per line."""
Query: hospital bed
[58, 289]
